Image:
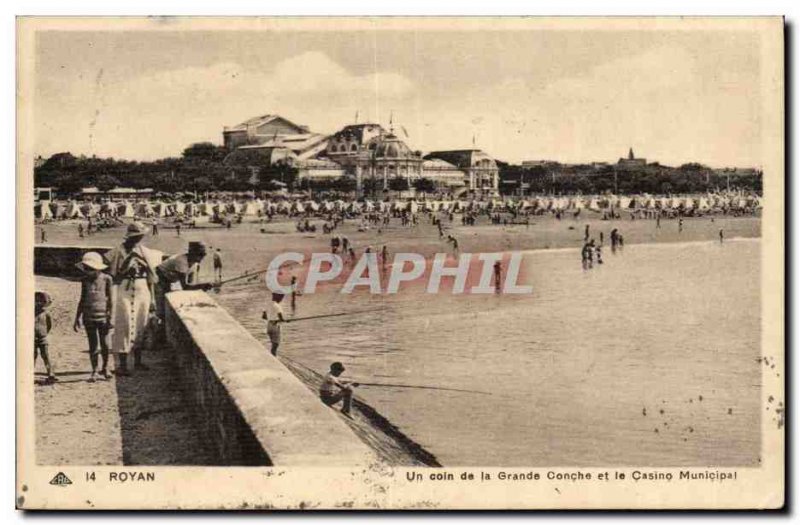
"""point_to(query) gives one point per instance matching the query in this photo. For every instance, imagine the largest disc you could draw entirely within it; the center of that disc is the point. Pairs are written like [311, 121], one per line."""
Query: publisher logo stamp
[61, 479]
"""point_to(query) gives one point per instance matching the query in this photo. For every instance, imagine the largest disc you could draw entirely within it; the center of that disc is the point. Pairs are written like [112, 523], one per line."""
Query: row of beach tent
[254, 207]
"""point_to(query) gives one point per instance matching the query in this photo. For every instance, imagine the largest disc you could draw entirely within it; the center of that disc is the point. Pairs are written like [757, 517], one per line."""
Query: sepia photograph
[400, 263]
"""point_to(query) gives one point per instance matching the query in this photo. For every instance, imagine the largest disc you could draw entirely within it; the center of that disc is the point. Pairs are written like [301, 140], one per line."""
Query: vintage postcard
[400, 263]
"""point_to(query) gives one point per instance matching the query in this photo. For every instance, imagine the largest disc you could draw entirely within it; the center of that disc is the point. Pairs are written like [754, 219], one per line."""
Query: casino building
[365, 152]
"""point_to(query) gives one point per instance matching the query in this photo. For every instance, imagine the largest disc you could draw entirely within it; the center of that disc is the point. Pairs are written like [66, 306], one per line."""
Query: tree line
[651, 178]
[205, 167]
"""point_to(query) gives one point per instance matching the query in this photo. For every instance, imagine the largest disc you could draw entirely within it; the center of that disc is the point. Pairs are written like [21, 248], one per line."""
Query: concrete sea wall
[254, 410]
[248, 405]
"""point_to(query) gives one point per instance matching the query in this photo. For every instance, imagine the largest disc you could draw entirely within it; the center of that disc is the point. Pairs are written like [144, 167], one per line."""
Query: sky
[563, 95]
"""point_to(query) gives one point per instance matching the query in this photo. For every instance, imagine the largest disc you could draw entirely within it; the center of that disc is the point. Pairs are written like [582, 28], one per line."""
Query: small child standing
[95, 309]
[43, 323]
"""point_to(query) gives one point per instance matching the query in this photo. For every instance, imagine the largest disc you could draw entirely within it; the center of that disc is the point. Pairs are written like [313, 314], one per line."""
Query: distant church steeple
[630, 154]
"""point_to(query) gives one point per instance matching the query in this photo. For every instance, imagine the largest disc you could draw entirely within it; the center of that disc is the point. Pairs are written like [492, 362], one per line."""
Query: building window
[354, 147]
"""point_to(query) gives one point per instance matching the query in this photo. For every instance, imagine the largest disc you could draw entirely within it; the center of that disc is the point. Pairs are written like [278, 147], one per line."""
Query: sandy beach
[244, 247]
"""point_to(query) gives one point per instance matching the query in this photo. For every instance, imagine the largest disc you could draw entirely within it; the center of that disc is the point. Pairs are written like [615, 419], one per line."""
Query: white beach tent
[144, 209]
[73, 211]
[42, 211]
[159, 209]
[250, 208]
[125, 209]
[59, 210]
[89, 210]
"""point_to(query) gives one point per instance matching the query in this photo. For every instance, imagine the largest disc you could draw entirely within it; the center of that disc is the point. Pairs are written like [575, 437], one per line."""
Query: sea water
[651, 359]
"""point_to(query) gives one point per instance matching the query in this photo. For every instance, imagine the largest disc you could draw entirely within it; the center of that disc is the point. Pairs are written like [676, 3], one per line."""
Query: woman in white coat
[132, 267]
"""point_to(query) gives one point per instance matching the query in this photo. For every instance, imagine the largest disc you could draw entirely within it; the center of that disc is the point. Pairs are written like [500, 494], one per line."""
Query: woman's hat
[337, 366]
[135, 229]
[92, 260]
[197, 247]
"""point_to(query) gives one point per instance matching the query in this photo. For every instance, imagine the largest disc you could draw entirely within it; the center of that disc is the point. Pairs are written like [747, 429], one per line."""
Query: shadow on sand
[156, 422]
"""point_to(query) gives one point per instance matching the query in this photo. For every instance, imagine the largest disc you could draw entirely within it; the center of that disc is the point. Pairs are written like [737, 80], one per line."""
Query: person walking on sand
[132, 266]
[658, 221]
[333, 389]
[44, 236]
[95, 310]
[680, 225]
[217, 265]
[273, 315]
[178, 228]
[80, 230]
[42, 325]
[586, 233]
[498, 276]
[721, 236]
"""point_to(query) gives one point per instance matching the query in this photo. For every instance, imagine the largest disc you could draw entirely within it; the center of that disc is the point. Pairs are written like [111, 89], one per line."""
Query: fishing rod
[390, 385]
[251, 274]
[323, 316]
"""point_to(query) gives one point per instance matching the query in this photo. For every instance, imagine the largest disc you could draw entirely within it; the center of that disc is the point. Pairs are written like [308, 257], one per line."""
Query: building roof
[389, 146]
[438, 164]
[459, 157]
[300, 144]
[258, 121]
[357, 131]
